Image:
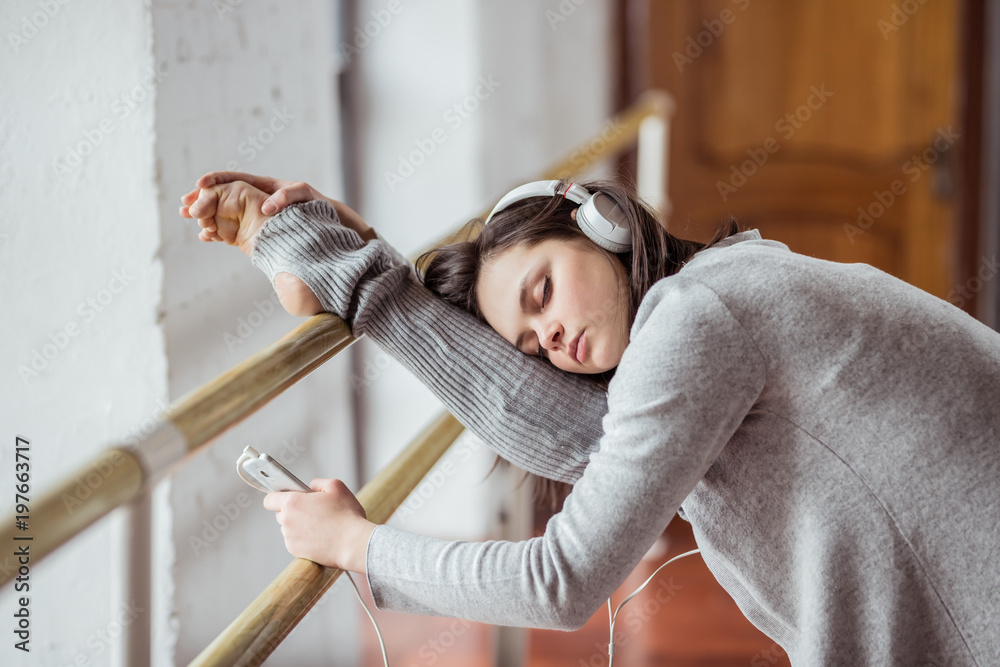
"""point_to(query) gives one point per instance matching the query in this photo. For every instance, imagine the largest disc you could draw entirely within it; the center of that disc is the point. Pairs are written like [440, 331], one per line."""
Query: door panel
[828, 125]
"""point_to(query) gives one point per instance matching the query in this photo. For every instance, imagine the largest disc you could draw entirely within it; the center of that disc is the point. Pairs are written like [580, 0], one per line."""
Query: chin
[594, 369]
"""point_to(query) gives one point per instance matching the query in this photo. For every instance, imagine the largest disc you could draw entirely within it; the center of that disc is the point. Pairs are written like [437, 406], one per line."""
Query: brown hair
[452, 271]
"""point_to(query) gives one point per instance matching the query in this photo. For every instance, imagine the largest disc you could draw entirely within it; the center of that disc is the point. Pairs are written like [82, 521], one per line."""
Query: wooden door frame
[974, 232]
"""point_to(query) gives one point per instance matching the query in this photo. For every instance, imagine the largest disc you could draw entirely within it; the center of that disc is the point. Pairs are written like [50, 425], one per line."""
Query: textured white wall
[252, 88]
[108, 113]
[81, 350]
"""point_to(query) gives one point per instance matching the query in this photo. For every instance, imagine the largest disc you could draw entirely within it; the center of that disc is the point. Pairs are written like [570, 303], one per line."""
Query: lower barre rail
[118, 474]
[257, 631]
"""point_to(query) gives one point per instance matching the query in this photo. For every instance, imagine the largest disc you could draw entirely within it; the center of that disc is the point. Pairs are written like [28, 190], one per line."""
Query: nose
[552, 335]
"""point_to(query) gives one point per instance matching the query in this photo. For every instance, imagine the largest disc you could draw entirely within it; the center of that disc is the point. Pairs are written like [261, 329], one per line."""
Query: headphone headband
[598, 216]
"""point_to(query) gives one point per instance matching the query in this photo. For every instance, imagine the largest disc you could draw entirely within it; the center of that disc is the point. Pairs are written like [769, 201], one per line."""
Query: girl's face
[563, 300]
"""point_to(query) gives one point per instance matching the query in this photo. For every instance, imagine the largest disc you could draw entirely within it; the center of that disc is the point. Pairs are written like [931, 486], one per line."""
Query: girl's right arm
[541, 419]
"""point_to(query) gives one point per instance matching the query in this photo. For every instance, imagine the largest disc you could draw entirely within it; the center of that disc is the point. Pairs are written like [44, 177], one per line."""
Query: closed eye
[546, 291]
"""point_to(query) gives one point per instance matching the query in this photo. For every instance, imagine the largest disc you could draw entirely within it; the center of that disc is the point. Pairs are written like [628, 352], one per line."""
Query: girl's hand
[285, 193]
[228, 213]
[328, 527]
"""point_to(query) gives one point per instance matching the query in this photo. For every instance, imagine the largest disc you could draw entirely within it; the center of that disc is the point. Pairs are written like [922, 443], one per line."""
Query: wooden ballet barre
[257, 631]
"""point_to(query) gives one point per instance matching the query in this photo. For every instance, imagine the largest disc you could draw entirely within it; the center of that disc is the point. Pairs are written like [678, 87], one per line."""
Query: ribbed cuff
[308, 241]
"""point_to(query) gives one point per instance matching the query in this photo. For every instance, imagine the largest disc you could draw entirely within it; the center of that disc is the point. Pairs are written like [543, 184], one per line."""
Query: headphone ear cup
[604, 223]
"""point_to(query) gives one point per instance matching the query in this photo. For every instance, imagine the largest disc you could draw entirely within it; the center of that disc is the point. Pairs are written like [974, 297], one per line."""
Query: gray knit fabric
[832, 433]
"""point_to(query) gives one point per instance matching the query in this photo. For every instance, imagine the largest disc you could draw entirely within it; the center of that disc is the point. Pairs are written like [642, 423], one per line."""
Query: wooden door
[829, 125]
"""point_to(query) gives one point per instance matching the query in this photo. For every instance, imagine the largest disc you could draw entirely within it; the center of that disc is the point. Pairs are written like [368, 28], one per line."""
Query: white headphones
[598, 216]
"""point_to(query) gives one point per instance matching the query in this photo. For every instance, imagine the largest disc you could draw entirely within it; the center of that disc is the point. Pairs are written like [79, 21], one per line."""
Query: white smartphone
[265, 474]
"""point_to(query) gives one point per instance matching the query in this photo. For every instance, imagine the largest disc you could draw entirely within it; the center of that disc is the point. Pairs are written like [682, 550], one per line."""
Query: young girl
[831, 433]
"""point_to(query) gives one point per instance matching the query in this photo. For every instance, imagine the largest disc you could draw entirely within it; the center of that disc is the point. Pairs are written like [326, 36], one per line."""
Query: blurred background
[855, 131]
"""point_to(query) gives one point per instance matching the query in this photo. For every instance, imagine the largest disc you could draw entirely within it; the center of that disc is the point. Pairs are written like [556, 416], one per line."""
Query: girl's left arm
[506, 397]
[685, 383]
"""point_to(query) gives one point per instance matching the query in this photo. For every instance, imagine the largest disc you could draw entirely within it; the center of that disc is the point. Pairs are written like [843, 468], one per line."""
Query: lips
[575, 349]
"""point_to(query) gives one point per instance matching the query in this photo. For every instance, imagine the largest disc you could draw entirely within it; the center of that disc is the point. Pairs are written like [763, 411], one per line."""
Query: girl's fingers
[204, 209]
[190, 197]
[207, 224]
[213, 178]
[265, 183]
[286, 196]
[272, 501]
[205, 205]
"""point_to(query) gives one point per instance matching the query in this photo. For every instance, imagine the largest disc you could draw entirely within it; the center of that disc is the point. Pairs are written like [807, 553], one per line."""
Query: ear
[572, 214]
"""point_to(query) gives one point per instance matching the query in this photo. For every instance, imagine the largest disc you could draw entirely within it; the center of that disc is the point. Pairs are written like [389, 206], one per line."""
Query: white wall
[252, 88]
[170, 312]
[76, 82]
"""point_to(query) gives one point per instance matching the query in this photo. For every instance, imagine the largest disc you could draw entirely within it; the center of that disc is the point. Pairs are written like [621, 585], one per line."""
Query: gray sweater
[832, 433]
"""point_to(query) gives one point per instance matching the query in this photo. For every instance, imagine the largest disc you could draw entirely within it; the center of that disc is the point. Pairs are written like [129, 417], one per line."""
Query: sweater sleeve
[685, 383]
[502, 395]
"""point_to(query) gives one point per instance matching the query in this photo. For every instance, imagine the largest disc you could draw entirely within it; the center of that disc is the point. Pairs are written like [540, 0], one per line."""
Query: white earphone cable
[613, 617]
[378, 633]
